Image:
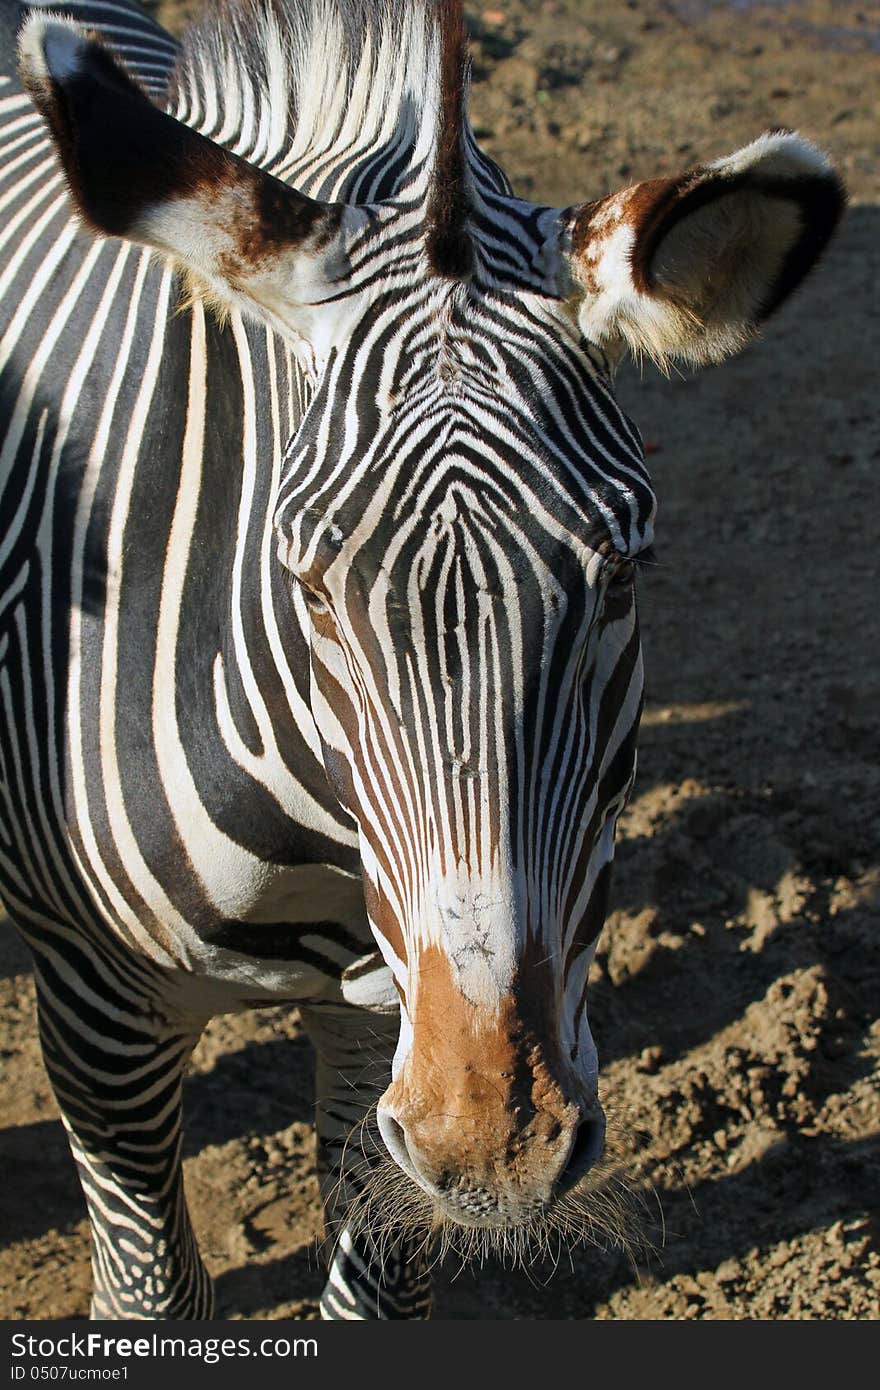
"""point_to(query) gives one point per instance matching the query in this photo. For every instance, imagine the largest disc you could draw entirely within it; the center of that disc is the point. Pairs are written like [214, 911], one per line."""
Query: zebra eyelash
[622, 571]
[314, 601]
[646, 559]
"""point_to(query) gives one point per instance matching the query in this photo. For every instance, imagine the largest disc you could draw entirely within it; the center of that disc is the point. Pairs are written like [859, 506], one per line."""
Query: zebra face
[462, 509]
[465, 547]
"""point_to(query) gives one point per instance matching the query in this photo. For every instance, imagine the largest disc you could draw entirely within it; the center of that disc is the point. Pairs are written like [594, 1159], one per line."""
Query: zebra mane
[349, 100]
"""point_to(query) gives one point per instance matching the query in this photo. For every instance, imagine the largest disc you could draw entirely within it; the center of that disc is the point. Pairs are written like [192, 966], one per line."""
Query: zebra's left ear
[689, 267]
[135, 172]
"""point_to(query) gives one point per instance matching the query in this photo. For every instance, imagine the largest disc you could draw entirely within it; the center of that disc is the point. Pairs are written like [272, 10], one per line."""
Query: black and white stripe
[318, 640]
[169, 843]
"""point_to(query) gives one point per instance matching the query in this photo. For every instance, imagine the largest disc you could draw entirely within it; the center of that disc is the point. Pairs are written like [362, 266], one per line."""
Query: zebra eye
[622, 576]
[621, 572]
[313, 600]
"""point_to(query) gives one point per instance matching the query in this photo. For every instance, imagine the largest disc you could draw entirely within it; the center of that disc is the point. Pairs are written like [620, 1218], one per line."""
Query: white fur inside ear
[718, 262]
[614, 313]
[697, 285]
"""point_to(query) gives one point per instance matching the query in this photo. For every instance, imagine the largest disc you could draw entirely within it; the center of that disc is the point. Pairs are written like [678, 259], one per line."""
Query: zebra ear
[136, 172]
[689, 267]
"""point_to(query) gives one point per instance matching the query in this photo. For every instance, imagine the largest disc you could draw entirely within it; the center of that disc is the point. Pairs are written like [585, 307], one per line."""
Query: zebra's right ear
[136, 172]
[689, 267]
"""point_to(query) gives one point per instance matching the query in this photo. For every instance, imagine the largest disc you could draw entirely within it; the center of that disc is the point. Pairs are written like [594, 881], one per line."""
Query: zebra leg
[117, 1069]
[371, 1273]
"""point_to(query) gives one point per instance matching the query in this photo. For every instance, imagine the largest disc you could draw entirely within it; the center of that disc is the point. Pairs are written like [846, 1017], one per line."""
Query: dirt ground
[735, 996]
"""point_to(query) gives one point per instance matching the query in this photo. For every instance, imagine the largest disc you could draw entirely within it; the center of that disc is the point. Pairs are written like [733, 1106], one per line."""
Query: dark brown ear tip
[99, 117]
[104, 66]
[57, 56]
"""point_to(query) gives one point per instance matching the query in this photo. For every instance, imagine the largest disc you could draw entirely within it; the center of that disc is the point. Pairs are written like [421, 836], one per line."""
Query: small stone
[519, 75]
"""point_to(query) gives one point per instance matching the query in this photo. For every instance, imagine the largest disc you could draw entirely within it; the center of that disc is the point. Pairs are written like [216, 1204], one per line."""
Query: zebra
[321, 673]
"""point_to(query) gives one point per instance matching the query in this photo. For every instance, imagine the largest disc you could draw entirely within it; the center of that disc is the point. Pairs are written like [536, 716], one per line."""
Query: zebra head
[462, 513]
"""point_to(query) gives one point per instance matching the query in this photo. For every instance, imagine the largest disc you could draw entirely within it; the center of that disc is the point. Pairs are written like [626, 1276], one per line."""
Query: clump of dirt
[734, 999]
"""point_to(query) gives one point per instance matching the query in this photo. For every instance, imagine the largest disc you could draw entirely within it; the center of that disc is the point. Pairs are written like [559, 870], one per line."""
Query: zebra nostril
[586, 1150]
[394, 1138]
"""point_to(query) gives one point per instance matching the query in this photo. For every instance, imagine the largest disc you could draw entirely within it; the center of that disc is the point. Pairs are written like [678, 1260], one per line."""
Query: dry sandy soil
[735, 997]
